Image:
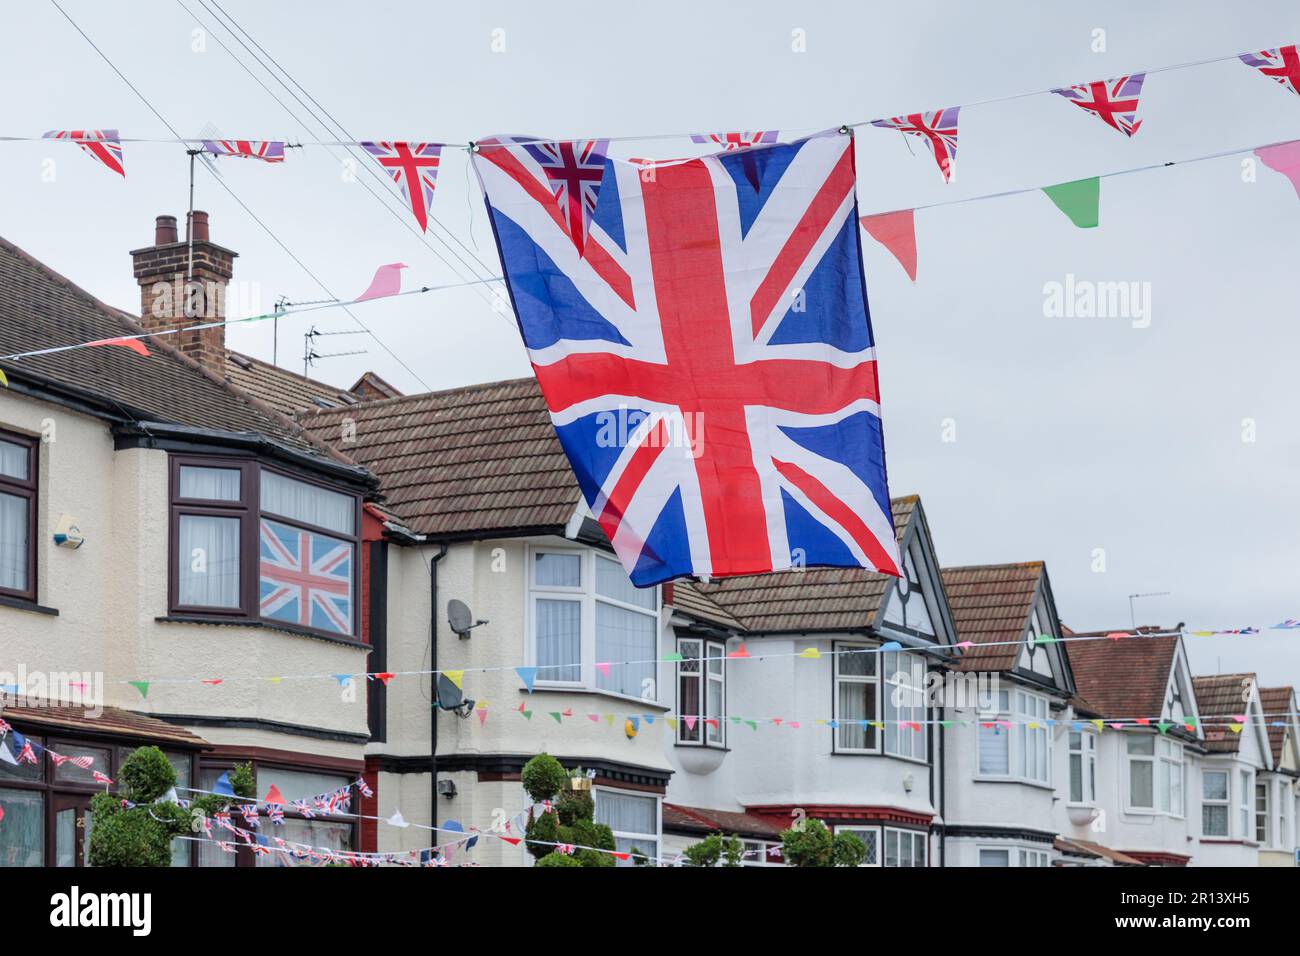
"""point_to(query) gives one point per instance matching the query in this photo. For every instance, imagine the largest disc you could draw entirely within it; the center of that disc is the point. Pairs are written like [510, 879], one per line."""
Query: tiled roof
[690, 601]
[701, 820]
[40, 309]
[112, 720]
[815, 599]
[1124, 678]
[1277, 701]
[1216, 696]
[285, 391]
[1087, 848]
[483, 458]
[991, 604]
[370, 387]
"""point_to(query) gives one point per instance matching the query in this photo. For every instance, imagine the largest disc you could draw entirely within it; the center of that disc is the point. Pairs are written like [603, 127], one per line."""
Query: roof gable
[1278, 705]
[1133, 677]
[1224, 697]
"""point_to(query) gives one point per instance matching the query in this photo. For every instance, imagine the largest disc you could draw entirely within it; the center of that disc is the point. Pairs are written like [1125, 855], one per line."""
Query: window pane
[995, 756]
[209, 484]
[208, 559]
[308, 503]
[13, 460]
[13, 542]
[1141, 784]
[1143, 744]
[22, 834]
[305, 578]
[559, 640]
[557, 570]
[715, 711]
[19, 771]
[319, 834]
[1076, 777]
[71, 773]
[626, 813]
[1214, 820]
[209, 853]
[689, 703]
[623, 635]
[612, 582]
[995, 858]
[1214, 785]
[856, 703]
[299, 784]
[859, 663]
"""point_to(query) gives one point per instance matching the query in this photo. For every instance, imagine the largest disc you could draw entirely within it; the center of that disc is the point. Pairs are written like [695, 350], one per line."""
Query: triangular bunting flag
[103, 145]
[1282, 64]
[1236, 728]
[811, 654]
[559, 719]
[414, 167]
[274, 796]
[456, 677]
[896, 231]
[135, 345]
[528, 675]
[1114, 102]
[1283, 158]
[938, 128]
[141, 685]
[1080, 200]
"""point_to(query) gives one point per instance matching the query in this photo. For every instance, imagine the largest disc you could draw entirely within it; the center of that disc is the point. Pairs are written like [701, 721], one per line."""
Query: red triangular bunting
[896, 231]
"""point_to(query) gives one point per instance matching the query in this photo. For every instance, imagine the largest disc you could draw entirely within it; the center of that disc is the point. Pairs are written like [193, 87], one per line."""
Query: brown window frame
[28, 489]
[250, 514]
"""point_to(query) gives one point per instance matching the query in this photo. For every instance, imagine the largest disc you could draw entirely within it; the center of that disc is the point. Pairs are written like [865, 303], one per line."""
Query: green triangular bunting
[1079, 200]
[141, 685]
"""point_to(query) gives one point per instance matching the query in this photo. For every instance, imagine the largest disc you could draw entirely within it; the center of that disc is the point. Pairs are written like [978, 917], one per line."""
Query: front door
[72, 822]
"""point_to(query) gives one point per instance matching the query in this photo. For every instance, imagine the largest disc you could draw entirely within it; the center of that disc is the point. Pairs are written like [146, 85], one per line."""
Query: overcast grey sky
[1072, 434]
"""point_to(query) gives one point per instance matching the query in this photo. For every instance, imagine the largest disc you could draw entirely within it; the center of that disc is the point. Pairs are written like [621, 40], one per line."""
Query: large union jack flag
[104, 145]
[1114, 102]
[707, 359]
[414, 167]
[939, 130]
[268, 151]
[306, 578]
[1282, 64]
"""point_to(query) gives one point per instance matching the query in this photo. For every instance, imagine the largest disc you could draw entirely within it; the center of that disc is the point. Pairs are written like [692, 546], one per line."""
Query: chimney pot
[200, 226]
[164, 230]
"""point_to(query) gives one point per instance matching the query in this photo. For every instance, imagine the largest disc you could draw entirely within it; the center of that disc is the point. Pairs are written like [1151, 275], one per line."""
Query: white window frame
[760, 850]
[1087, 754]
[1018, 854]
[1264, 788]
[861, 834]
[1019, 707]
[1226, 803]
[586, 595]
[703, 655]
[911, 706]
[914, 838]
[1168, 767]
[658, 836]
[1246, 804]
[873, 733]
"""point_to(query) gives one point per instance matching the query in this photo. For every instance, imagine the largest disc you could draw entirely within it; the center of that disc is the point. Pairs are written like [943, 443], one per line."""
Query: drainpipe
[433, 683]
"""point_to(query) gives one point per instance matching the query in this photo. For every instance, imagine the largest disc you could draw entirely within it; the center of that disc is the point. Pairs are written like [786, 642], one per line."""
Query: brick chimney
[167, 301]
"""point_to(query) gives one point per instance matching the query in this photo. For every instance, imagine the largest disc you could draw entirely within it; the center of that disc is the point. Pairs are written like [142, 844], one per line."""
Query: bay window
[904, 847]
[1155, 774]
[870, 837]
[1083, 767]
[18, 464]
[585, 612]
[252, 543]
[886, 689]
[633, 817]
[1214, 803]
[1008, 746]
[701, 692]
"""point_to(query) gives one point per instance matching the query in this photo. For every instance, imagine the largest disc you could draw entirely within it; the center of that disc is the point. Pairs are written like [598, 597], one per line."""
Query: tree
[571, 818]
[713, 848]
[809, 843]
[140, 833]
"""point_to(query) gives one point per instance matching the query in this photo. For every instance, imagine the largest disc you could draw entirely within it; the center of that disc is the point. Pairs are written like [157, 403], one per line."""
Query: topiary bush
[571, 820]
[810, 844]
[142, 834]
[713, 848]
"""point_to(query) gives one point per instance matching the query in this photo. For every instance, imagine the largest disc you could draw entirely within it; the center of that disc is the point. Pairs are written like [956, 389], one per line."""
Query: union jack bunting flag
[302, 807]
[939, 130]
[1114, 102]
[733, 141]
[83, 762]
[364, 787]
[104, 145]
[572, 172]
[227, 847]
[275, 812]
[414, 167]
[27, 754]
[1289, 624]
[306, 578]
[4, 727]
[707, 359]
[1282, 64]
[266, 150]
[249, 812]
[101, 778]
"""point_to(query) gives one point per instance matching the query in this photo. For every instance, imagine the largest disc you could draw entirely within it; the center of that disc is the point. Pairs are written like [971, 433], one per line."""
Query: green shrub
[575, 805]
[713, 848]
[811, 844]
[543, 778]
[558, 859]
[848, 849]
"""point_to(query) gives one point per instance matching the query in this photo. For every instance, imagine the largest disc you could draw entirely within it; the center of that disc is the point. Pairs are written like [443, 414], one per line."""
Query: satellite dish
[450, 697]
[461, 618]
